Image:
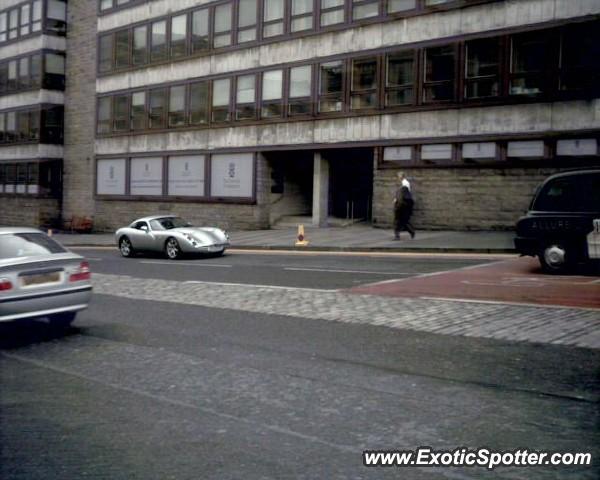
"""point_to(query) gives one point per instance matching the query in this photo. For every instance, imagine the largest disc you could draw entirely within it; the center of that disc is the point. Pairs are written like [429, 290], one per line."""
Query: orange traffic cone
[301, 241]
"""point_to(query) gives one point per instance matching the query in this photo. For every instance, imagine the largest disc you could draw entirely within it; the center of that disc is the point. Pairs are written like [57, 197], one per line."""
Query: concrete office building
[243, 112]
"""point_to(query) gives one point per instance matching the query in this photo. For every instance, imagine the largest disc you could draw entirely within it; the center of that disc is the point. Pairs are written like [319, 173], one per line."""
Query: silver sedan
[171, 235]
[40, 278]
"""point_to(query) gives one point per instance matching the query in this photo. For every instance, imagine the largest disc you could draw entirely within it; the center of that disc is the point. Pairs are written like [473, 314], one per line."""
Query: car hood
[204, 234]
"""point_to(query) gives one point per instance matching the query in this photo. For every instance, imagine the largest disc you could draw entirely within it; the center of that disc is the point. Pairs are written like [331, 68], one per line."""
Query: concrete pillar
[320, 209]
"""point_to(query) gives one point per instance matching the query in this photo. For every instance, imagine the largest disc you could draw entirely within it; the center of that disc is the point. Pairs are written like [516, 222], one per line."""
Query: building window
[394, 6]
[220, 100]
[25, 19]
[158, 49]
[232, 175]
[122, 49]
[529, 63]
[580, 51]
[157, 108]
[302, 15]
[13, 24]
[177, 106]
[3, 77]
[21, 186]
[364, 9]
[364, 83]
[3, 27]
[198, 103]
[440, 72]
[2, 127]
[299, 101]
[482, 68]
[200, 41]
[105, 53]
[23, 126]
[437, 153]
[54, 74]
[24, 80]
[138, 111]
[146, 176]
[245, 99]
[110, 176]
[273, 15]
[222, 34]
[106, 4]
[36, 16]
[526, 149]
[34, 125]
[178, 36]
[121, 113]
[12, 75]
[11, 126]
[140, 45]
[332, 12]
[246, 21]
[331, 87]
[272, 92]
[399, 79]
[104, 115]
[56, 16]
[477, 152]
[186, 176]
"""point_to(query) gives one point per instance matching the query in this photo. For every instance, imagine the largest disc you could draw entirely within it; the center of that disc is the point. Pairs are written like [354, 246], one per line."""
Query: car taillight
[82, 273]
[5, 284]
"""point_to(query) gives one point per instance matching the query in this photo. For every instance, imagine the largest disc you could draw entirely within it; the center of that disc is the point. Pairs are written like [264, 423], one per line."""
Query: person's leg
[397, 225]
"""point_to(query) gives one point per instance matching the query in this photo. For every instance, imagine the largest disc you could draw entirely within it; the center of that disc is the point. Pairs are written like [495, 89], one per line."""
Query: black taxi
[562, 226]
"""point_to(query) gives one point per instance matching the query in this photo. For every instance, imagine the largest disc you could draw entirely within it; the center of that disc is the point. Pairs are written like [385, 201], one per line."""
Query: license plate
[215, 248]
[40, 279]
[593, 240]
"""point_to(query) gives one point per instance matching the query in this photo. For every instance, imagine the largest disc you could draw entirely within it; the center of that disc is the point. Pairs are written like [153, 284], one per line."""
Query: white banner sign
[111, 177]
[186, 175]
[232, 175]
[146, 176]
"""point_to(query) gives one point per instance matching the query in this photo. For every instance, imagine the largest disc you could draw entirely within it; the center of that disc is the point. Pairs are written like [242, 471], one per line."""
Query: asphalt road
[155, 389]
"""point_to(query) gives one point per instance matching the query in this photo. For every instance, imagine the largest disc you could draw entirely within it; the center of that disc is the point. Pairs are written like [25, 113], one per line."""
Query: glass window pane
[300, 81]
[401, 5]
[36, 69]
[400, 69]
[25, 12]
[221, 92]
[199, 103]
[178, 35]
[273, 29]
[331, 77]
[122, 49]
[57, 10]
[3, 27]
[13, 27]
[55, 64]
[332, 17]
[140, 45]
[439, 64]
[177, 106]
[24, 72]
[138, 111]
[247, 35]
[365, 11]
[482, 58]
[364, 74]
[272, 83]
[104, 115]
[157, 102]
[301, 6]
[200, 30]
[246, 89]
[331, 3]
[247, 13]
[273, 10]
[223, 18]
[37, 10]
[105, 62]
[302, 23]
[159, 41]
[120, 113]
[106, 4]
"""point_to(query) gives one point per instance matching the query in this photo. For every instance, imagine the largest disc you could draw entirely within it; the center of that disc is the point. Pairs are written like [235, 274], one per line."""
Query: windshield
[28, 245]
[575, 193]
[172, 222]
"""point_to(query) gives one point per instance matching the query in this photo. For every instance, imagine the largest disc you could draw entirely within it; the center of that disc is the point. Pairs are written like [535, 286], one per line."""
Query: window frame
[453, 82]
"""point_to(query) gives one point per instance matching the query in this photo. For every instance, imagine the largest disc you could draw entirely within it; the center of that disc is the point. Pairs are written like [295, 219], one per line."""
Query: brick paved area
[568, 326]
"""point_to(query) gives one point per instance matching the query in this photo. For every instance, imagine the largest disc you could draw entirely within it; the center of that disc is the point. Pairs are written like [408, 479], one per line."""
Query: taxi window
[577, 193]
[28, 245]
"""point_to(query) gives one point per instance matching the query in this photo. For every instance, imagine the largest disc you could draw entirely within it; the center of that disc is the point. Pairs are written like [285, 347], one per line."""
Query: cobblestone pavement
[566, 326]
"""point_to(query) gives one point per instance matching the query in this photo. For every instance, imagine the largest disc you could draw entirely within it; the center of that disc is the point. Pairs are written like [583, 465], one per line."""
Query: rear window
[27, 245]
[577, 193]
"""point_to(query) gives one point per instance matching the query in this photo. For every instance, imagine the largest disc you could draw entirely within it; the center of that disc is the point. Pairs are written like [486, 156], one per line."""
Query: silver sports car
[171, 235]
[40, 278]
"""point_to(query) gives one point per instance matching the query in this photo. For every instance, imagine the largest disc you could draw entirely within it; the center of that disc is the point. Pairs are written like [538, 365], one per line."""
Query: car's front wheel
[125, 247]
[62, 320]
[555, 258]
[172, 249]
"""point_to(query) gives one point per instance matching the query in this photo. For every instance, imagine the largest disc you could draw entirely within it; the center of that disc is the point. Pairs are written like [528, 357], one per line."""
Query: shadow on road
[15, 335]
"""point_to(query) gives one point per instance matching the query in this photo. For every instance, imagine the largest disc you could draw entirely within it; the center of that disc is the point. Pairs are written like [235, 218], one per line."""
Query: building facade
[241, 113]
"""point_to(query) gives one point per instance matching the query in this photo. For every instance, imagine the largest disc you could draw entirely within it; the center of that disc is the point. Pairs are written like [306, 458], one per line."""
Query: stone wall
[80, 109]
[460, 198]
[29, 212]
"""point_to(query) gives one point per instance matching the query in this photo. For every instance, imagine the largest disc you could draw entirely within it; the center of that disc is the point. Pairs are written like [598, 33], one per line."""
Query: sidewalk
[354, 238]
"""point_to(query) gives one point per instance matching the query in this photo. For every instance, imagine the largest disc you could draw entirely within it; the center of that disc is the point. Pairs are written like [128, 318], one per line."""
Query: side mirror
[144, 228]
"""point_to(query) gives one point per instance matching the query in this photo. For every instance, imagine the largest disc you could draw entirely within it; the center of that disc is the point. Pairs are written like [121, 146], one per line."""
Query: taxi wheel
[555, 258]
[62, 321]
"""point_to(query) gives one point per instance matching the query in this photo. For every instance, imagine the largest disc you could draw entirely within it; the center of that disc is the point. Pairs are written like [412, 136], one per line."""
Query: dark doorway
[350, 183]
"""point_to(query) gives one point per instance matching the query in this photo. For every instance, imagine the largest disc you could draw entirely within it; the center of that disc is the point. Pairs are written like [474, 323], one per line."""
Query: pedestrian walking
[403, 207]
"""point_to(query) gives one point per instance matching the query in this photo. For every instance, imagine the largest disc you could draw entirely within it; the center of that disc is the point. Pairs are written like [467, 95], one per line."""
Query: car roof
[570, 173]
[153, 217]
[11, 230]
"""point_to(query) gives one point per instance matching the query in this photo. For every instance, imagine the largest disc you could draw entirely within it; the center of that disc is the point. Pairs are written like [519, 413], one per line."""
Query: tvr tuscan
[171, 235]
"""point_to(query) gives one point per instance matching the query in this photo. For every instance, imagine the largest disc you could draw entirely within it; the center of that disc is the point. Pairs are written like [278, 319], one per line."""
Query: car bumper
[205, 248]
[527, 246]
[43, 304]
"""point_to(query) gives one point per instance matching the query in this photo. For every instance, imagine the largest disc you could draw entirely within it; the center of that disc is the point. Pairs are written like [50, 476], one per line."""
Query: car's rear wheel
[62, 320]
[125, 247]
[555, 258]
[172, 249]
